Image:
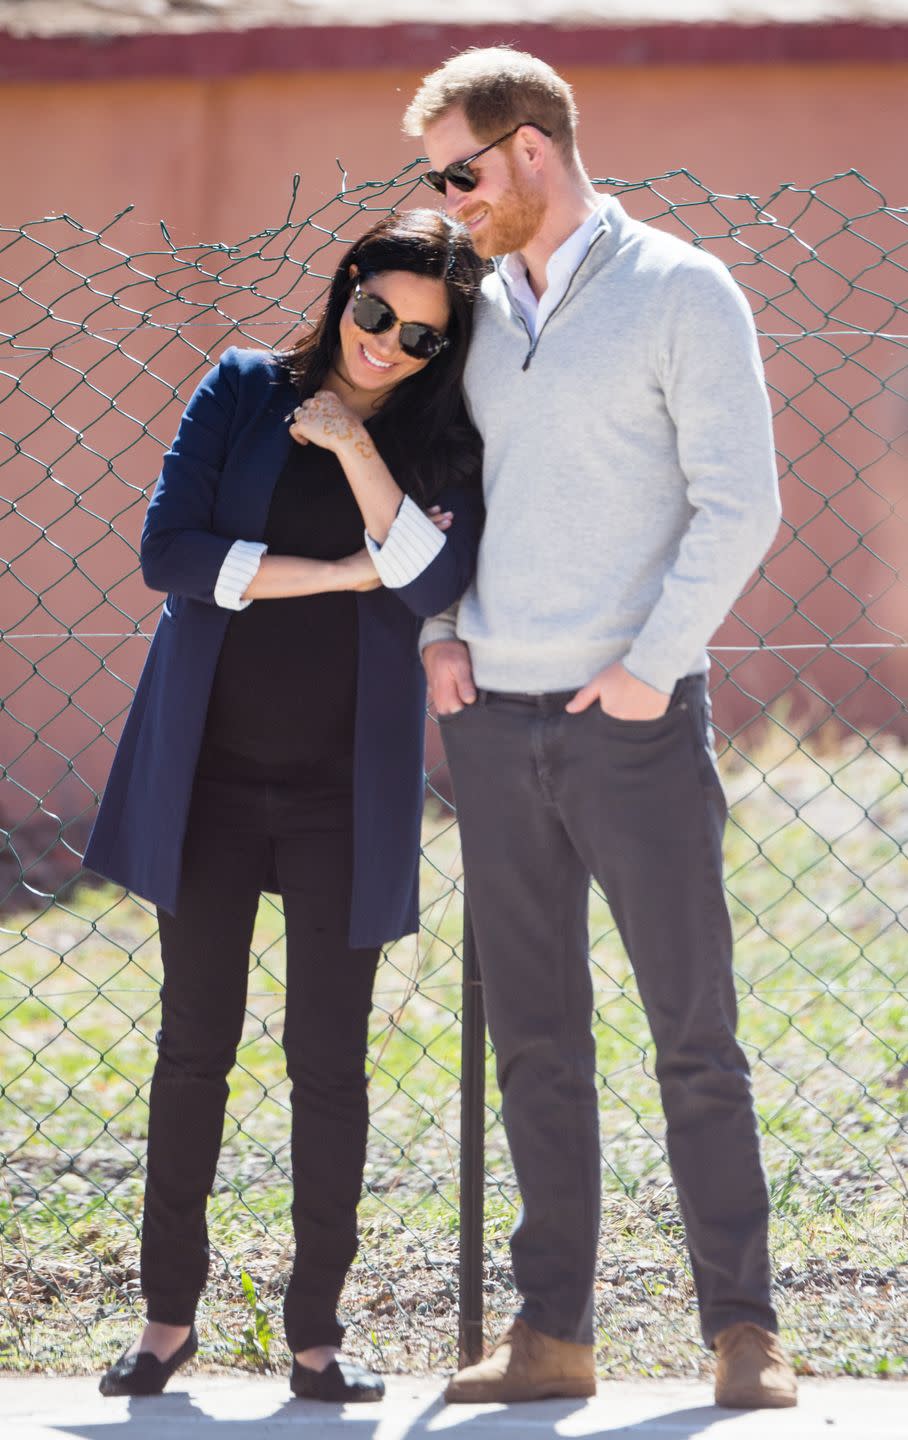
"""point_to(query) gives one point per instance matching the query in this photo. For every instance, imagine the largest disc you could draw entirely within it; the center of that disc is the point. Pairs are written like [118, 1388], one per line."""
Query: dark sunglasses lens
[420, 342]
[372, 314]
[462, 177]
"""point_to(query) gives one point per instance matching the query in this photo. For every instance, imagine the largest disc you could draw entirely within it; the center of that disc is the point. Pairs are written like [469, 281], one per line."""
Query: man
[630, 491]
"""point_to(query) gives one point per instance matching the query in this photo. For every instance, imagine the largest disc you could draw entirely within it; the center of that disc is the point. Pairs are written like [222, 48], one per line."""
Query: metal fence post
[472, 1148]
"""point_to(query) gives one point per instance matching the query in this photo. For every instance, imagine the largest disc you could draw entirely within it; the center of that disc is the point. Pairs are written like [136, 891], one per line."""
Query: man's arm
[449, 669]
[438, 628]
[715, 393]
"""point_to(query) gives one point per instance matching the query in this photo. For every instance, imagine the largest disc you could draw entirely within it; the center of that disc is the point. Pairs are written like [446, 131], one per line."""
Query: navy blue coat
[215, 487]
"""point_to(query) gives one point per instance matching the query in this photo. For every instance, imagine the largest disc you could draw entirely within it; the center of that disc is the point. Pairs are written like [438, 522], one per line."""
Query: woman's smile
[373, 360]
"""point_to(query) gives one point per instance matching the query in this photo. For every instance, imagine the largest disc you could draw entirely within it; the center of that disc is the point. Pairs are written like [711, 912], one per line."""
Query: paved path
[35, 1408]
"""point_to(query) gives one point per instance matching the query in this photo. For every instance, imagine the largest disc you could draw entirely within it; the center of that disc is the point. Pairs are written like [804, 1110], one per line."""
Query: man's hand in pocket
[450, 675]
[620, 694]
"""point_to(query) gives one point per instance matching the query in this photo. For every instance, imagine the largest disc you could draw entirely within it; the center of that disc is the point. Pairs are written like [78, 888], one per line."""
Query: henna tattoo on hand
[365, 446]
[326, 413]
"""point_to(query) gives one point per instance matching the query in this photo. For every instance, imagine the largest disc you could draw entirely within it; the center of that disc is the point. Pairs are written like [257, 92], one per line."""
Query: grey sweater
[629, 475]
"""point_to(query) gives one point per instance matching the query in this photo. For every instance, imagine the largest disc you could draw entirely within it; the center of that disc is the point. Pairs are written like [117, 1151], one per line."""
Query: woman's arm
[440, 583]
[279, 576]
[180, 553]
[325, 420]
[428, 563]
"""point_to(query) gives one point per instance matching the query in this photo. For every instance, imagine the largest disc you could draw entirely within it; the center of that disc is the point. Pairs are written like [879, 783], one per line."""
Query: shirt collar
[563, 261]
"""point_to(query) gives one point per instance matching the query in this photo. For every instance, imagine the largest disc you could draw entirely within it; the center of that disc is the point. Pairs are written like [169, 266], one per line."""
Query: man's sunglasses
[459, 173]
[375, 316]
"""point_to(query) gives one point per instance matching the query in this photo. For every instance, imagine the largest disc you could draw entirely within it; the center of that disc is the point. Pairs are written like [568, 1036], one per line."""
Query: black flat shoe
[145, 1374]
[342, 1380]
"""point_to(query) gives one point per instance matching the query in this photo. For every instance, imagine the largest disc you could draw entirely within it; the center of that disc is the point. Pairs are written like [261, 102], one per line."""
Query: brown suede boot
[525, 1365]
[753, 1372]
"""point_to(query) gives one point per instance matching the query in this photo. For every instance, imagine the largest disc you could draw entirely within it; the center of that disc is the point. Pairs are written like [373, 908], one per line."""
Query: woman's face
[376, 362]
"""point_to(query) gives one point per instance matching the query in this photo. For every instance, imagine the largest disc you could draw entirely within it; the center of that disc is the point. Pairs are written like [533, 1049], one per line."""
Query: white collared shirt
[561, 266]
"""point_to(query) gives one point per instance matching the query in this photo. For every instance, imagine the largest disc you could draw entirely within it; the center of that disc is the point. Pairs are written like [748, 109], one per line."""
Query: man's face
[506, 208]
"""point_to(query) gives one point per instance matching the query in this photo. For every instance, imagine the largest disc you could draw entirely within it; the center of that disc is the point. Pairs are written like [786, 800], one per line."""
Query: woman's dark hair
[422, 427]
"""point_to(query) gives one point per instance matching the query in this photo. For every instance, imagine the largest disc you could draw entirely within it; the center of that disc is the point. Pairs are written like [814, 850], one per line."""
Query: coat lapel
[257, 457]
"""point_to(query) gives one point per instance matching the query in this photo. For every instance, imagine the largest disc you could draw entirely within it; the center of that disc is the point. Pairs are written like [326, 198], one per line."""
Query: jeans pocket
[641, 729]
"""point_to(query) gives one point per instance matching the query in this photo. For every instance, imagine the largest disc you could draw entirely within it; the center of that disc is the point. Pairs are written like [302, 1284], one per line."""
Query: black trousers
[237, 831]
[545, 800]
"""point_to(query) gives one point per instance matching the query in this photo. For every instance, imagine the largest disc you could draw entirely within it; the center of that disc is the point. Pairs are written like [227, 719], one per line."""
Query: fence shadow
[178, 1415]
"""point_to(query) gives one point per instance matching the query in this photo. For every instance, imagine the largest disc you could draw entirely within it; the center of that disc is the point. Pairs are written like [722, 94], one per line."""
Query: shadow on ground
[176, 1414]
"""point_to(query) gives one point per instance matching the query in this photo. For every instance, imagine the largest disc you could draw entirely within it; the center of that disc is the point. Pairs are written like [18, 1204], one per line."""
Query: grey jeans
[546, 800]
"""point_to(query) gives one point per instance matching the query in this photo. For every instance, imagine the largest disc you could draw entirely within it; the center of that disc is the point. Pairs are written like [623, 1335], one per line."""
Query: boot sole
[545, 1390]
[758, 1401]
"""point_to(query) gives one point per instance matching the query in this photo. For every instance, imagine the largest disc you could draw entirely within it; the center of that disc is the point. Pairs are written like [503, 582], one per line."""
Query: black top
[284, 694]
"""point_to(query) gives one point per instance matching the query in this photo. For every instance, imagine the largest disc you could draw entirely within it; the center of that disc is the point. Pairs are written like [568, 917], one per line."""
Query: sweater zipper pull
[533, 348]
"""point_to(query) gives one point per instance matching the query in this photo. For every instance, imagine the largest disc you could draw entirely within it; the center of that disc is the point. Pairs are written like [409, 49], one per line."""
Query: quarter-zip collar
[558, 271]
[602, 243]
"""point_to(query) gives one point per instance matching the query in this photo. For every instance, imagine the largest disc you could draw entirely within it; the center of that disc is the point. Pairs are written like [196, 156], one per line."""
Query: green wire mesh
[103, 338]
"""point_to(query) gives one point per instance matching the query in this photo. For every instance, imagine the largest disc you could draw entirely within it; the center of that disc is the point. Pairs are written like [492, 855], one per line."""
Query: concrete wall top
[848, 33]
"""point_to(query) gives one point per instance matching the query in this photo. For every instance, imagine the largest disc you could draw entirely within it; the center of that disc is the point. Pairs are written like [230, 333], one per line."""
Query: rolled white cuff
[412, 544]
[239, 569]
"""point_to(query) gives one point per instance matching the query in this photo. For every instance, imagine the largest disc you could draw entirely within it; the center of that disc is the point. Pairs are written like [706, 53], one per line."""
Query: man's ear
[533, 146]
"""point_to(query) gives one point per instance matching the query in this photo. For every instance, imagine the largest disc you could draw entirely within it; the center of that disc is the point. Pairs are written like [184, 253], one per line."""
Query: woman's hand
[326, 421]
[441, 518]
[356, 572]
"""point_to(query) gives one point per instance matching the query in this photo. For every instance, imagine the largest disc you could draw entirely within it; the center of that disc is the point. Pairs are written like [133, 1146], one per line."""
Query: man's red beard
[512, 221]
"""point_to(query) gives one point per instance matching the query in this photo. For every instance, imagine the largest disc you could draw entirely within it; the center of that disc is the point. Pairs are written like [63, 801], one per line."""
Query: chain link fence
[103, 338]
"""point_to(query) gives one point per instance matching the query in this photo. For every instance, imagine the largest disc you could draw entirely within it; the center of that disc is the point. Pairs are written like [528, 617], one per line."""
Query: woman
[275, 743]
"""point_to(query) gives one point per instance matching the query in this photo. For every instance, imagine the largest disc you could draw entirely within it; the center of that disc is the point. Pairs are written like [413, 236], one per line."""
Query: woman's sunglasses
[375, 316]
[459, 173]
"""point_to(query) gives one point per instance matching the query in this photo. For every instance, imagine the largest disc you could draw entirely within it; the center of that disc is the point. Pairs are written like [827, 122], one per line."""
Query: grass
[817, 876]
